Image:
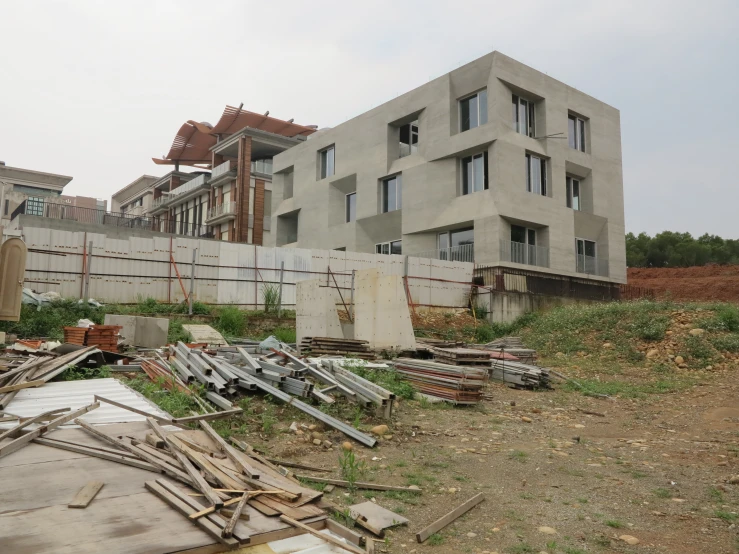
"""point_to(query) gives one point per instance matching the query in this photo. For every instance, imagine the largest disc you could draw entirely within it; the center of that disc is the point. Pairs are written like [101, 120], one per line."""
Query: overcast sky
[96, 89]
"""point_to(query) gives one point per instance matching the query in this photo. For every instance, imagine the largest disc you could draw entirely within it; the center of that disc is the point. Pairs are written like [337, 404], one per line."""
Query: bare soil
[705, 283]
[655, 468]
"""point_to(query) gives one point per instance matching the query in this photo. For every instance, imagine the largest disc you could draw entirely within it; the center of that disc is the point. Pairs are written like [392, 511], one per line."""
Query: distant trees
[668, 249]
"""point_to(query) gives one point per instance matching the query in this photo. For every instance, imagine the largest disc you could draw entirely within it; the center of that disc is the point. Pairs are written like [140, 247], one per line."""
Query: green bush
[699, 349]
[74, 373]
[231, 321]
[650, 327]
[284, 334]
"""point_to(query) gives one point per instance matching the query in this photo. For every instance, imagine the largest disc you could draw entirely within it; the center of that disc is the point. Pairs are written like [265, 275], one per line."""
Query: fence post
[279, 298]
[87, 275]
[192, 280]
[351, 303]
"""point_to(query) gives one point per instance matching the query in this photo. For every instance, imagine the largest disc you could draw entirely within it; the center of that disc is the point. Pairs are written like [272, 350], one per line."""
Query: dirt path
[655, 469]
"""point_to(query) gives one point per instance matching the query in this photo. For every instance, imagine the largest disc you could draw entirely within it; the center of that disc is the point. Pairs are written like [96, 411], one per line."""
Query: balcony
[590, 265]
[223, 173]
[221, 213]
[461, 253]
[189, 186]
[159, 203]
[521, 253]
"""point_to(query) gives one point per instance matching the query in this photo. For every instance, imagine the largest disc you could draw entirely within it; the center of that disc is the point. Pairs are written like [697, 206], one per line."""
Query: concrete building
[229, 196]
[85, 202]
[494, 162]
[35, 188]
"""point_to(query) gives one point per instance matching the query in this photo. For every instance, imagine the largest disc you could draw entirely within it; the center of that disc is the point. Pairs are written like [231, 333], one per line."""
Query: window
[523, 116]
[35, 205]
[475, 173]
[393, 247]
[473, 111]
[262, 166]
[351, 207]
[573, 193]
[576, 133]
[536, 174]
[457, 245]
[7, 207]
[408, 139]
[523, 245]
[327, 162]
[392, 194]
[586, 256]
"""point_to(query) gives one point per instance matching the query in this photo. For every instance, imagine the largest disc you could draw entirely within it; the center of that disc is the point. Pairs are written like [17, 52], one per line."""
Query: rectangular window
[408, 139]
[327, 161]
[586, 256]
[473, 111]
[7, 207]
[524, 118]
[392, 247]
[35, 205]
[576, 133]
[351, 207]
[475, 173]
[573, 194]
[458, 245]
[392, 194]
[536, 174]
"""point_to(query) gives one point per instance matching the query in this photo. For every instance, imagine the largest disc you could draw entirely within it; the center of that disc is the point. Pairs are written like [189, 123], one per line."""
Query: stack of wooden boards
[520, 375]
[318, 346]
[457, 384]
[36, 370]
[514, 347]
[462, 356]
[104, 337]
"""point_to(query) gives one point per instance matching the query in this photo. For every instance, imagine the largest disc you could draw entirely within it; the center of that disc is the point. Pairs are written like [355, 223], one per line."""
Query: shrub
[647, 326]
[284, 334]
[270, 297]
[699, 349]
[726, 343]
[231, 321]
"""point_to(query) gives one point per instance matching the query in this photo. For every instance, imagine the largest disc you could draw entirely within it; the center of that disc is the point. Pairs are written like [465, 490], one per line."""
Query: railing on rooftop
[461, 253]
[521, 253]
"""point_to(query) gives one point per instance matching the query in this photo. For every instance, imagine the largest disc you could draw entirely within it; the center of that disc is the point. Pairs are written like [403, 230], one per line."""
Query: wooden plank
[357, 485]
[328, 538]
[448, 518]
[212, 509]
[176, 503]
[154, 441]
[30, 421]
[19, 386]
[20, 442]
[338, 529]
[200, 483]
[230, 451]
[296, 465]
[83, 498]
[207, 417]
[161, 420]
[228, 529]
[81, 449]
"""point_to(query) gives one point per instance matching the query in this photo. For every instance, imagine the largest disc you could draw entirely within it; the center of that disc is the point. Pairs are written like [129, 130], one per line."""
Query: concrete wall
[366, 151]
[505, 307]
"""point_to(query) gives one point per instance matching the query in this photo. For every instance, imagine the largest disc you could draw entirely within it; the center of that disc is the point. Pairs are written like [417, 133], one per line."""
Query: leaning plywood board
[206, 334]
[315, 311]
[381, 313]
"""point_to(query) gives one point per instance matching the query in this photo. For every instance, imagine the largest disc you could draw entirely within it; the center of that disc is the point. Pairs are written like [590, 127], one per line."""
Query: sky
[95, 89]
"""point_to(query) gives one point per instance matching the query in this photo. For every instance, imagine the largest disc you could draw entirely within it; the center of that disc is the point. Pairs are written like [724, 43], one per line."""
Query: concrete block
[315, 311]
[151, 332]
[381, 312]
[128, 322]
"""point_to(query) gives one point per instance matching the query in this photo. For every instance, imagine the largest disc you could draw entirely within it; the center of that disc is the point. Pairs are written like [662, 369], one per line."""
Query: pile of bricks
[75, 335]
[105, 337]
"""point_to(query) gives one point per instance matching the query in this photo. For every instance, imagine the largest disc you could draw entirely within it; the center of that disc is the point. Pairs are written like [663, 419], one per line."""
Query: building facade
[494, 162]
[34, 188]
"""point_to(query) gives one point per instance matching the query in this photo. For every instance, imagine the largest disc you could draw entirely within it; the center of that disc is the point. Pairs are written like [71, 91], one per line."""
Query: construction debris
[83, 498]
[318, 346]
[457, 384]
[520, 375]
[442, 522]
[462, 356]
[514, 347]
[375, 518]
[104, 337]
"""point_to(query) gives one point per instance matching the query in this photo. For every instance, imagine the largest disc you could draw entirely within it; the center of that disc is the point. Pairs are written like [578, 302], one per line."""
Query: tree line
[669, 249]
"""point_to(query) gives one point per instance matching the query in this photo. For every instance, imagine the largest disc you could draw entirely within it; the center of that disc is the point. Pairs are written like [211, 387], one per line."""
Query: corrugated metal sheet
[76, 394]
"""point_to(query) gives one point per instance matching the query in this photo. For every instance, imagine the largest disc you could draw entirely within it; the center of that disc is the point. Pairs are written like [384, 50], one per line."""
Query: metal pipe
[279, 300]
[192, 280]
[87, 275]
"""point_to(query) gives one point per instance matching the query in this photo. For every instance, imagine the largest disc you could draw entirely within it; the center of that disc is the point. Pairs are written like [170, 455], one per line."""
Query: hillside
[701, 283]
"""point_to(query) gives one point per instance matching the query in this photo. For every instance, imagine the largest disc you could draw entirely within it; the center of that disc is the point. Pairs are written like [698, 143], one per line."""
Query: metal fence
[462, 253]
[504, 279]
[521, 253]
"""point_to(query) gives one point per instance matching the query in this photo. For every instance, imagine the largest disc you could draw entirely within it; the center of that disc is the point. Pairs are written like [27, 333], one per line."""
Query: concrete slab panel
[315, 313]
[128, 322]
[381, 314]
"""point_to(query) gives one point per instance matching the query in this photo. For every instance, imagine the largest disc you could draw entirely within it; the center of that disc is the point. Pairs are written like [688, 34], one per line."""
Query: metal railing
[192, 184]
[222, 169]
[591, 265]
[521, 253]
[461, 253]
[262, 166]
[222, 209]
[158, 202]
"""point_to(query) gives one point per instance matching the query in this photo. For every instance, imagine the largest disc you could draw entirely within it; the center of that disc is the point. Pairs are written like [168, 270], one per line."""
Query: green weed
[435, 540]
[614, 523]
[663, 493]
[270, 297]
[231, 321]
[726, 516]
[351, 468]
[74, 373]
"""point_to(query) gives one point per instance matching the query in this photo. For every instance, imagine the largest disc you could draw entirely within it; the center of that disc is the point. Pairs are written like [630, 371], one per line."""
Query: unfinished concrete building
[495, 163]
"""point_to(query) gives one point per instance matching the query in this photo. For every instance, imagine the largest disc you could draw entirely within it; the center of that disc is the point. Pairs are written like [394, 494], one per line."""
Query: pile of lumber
[462, 356]
[36, 370]
[457, 384]
[319, 346]
[75, 335]
[105, 337]
[224, 375]
[514, 347]
[439, 343]
[520, 375]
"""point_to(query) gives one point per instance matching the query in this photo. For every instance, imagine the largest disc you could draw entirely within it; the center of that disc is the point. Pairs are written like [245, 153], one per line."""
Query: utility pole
[87, 275]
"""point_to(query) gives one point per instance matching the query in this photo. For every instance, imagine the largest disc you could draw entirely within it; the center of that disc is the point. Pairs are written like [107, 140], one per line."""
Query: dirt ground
[657, 469]
[706, 283]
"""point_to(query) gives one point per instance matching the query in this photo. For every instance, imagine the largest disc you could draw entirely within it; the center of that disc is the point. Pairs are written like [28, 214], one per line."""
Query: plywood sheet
[315, 313]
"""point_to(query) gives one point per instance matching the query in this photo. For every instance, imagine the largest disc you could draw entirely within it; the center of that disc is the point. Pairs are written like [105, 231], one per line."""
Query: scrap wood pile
[462, 356]
[317, 346]
[458, 384]
[280, 375]
[520, 375]
[512, 346]
[35, 370]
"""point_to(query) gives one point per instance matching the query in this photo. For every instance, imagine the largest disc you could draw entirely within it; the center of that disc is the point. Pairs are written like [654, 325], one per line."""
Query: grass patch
[726, 516]
[615, 524]
[715, 494]
[75, 373]
[663, 493]
[386, 378]
[518, 455]
[436, 539]
[627, 389]
[231, 321]
[521, 548]
[174, 402]
[351, 468]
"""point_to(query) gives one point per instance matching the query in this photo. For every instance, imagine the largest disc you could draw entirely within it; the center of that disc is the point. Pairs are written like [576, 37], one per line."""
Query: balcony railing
[222, 169]
[192, 184]
[591, 265]
[521, 253]
[222, 209]
[462, 253]
[158, 202]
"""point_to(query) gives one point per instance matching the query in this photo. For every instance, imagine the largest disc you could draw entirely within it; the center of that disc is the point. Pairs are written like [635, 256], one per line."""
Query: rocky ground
[656, 471]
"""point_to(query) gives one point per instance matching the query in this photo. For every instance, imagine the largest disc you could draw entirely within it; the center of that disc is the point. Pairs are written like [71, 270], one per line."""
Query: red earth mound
[703, 283]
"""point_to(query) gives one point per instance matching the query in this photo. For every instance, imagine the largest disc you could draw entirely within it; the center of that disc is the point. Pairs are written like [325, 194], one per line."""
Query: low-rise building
[28, 188]
[495, 162]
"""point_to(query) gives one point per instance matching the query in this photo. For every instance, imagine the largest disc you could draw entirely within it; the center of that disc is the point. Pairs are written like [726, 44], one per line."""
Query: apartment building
[135, 198]
[28, 188]
[229, 195]
[495, 163]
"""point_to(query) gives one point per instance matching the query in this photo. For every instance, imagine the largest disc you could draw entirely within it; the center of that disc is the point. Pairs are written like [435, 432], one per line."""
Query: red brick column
[258, 234]
[243, 177]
